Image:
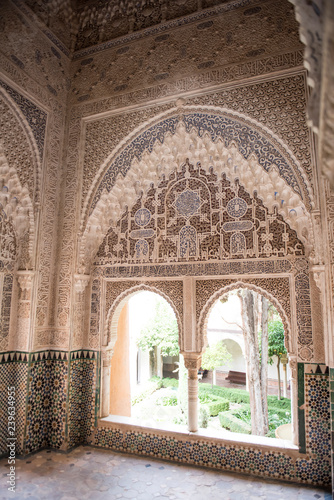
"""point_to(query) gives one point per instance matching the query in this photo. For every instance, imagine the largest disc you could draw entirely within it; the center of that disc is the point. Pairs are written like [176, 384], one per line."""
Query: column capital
[24, 279]
[192, 360]
[80, 282]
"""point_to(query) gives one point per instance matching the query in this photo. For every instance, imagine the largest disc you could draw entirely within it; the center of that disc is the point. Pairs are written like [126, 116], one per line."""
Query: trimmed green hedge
[217, 406]
[233, 395]
[280, 412]
[165, 382]
[233, 424]
[283, 403]
[240, 396]
[170, 382]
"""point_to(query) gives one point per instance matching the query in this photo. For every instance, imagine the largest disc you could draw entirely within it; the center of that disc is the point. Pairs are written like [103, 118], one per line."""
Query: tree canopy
[215, 356]
[160, 331]
[276, 345]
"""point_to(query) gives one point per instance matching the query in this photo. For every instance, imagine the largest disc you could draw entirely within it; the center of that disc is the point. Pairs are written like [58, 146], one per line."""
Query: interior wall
[77, 117]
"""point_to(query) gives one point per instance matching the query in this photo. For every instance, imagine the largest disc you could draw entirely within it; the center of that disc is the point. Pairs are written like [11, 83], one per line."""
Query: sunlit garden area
[258, 402]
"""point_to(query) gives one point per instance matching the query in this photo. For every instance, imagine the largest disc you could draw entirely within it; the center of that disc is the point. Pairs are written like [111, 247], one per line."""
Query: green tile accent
[331, 374]
[301, 411]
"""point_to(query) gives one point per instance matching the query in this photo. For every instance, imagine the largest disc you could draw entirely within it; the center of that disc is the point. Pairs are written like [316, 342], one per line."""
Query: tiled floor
[90, 473]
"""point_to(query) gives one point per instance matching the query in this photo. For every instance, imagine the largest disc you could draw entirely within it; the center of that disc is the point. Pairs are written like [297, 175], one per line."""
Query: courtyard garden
[161, 401]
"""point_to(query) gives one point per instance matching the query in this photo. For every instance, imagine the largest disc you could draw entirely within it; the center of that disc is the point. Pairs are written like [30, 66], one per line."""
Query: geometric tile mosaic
[82, 396]
[13, 374]
[313, 468]
[46, 408]
[316, 467]
[331, 383]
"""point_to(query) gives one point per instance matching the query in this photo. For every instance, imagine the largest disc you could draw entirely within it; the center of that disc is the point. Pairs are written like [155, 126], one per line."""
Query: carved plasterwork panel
[216, 143]
[277, 103]
[102, 136]
[40, 58]
[16, 212]
[194, 215]
[267, 102]
[8, 248]
[17, 146]
[224, 40]
[311, 19]
[36, 57]
[6, 282]
[330, 225]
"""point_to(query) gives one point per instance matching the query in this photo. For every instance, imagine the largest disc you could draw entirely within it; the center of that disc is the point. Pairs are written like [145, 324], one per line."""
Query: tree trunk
[154, 362]
[249, 311]
[264, 362]
[279, 377]
[285, 382]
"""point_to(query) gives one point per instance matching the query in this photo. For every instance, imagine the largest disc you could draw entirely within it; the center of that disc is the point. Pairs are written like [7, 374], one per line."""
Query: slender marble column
[192, 361]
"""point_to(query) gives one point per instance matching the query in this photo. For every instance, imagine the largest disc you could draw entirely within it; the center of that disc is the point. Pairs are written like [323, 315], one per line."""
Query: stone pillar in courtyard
[192, 361]
[189, 349]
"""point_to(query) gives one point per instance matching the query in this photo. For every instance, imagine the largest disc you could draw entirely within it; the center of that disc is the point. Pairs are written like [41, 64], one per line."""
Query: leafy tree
[254, 313]
[161, 331]
[215, 356]
[276, 347]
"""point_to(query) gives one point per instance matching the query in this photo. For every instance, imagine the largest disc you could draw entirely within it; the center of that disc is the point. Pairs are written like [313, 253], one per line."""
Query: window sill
[223, 436]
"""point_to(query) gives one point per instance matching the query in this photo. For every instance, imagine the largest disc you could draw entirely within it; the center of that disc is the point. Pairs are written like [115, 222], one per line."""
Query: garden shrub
[240, 396]
[170, 400]
[283, 403]
[157, 381]
[233, 395]
[281, 413]
[207, 397]
[170, 382]
[217, 406]
[203, 417]
[146, 390]
[233, 423]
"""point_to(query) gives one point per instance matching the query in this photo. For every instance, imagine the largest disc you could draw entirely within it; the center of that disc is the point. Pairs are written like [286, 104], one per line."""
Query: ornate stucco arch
[33, 150]
[17, 206]
[206, 310]
[225, 141]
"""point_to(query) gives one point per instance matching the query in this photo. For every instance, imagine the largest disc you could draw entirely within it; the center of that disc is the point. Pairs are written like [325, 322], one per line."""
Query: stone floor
[90, 473]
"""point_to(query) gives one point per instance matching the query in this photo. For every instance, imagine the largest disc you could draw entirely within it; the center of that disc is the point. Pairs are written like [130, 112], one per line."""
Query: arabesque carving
[17, 210]
[213, 157]
[195, 215]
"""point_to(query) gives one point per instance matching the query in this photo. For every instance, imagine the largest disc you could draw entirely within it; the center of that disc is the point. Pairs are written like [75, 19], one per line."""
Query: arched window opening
[245, 384]
[148, 380]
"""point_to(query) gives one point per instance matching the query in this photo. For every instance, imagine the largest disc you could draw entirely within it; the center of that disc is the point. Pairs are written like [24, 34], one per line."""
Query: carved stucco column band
[192, 362]
[189, 314]
[25, 280]
[319, 276]
[105, 383]
[80, 284]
